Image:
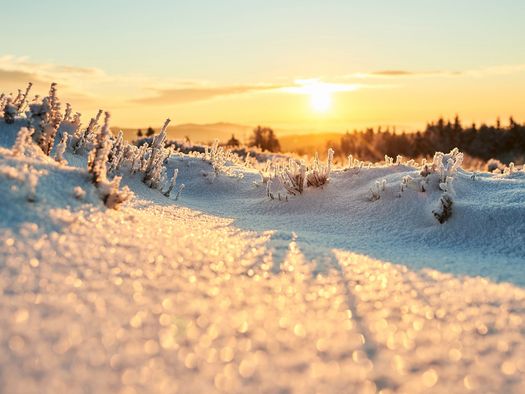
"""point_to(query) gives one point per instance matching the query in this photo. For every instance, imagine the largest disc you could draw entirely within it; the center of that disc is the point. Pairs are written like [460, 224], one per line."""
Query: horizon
[306, 67]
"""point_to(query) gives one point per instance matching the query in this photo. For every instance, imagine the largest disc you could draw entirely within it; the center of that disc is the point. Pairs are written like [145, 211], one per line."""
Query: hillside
[197, 132]
[238, 282]
[309, 144]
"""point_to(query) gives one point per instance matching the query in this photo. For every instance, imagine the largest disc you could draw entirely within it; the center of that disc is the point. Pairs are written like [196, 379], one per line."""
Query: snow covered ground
[227, 290]
[485, 235]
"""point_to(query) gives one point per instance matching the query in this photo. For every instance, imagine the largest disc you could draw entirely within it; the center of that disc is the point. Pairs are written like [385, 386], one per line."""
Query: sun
[321, 93]
[320, 100]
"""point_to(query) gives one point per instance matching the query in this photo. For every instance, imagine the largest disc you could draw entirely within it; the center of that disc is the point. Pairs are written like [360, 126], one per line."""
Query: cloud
[392, 73]
[317, 86]
[402, 74]
[496, 70]
[20, 78]
[47, 71]
[91, 87]
[200, 93]
[479, 72]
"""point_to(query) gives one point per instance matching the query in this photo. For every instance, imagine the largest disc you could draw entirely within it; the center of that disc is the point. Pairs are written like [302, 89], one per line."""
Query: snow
[227, 290]
[485, 235]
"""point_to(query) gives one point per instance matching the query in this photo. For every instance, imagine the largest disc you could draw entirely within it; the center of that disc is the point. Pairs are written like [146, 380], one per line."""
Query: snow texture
[227, 290]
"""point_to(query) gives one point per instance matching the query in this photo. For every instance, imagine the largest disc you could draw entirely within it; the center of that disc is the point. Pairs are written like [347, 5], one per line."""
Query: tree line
[505, 143]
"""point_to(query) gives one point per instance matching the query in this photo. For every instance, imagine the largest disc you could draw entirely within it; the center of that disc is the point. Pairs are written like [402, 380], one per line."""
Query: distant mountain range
[290, 141]
[199, 132]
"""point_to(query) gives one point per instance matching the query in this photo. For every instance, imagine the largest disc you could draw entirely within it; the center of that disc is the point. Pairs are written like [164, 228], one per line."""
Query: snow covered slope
[484, 236]
[227, 290]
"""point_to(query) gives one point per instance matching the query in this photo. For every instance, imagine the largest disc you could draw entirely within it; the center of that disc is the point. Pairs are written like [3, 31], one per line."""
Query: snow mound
[40, 193]
[167, 299]
[285, 276]
[484, 235]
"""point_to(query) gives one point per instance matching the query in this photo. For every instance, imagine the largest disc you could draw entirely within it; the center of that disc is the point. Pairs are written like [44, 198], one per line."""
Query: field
[255, 276]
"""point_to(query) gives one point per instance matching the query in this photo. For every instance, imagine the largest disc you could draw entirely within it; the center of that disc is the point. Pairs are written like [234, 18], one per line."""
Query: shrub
[293, 177]
[154, 171]
[61, 148]
[10, 111]
[81, 138]
[97, 162]
[49, 117]
[23, 138]
[318, 175]
[376, 190]
[98, 156]
[443, 213]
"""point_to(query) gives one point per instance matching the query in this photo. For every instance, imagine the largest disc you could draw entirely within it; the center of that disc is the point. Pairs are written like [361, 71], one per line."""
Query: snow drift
[258, 277]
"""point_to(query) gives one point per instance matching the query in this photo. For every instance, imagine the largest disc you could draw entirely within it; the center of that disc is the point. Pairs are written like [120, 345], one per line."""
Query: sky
[304, 65]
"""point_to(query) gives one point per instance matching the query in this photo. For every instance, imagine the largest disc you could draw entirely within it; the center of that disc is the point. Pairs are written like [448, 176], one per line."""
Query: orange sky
[406, 99]
[297, 66]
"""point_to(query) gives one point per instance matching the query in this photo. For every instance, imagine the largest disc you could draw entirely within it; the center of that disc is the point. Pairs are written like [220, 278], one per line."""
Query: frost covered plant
[354, 164]
[447, 164]
[10, 111]
[49, 118]
[172, 183]
[81, 138]
[154, 171]
[511, 169]
[112, 195]
[97, 162]
[98, 156]
[293, 177]
[440, 173]
[444, 211]
[378, 188]
[117, 150]
[447, 185]
[389, 161]
[12, 107]
[217, 157]
[23, 138]
[22, 102]
[179, 191]
[265, 172]
[271, 194]
[318, 175]
[138, 161]
[61, 148]
[67, 113]
[269, 189]
[417, 184]
[425, 171]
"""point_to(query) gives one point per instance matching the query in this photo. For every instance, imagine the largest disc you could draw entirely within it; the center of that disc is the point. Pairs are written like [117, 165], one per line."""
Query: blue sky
[230, 39]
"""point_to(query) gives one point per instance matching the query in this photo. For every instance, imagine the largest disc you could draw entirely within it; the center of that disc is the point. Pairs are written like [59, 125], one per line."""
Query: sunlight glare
[320, 100]
[320, 92]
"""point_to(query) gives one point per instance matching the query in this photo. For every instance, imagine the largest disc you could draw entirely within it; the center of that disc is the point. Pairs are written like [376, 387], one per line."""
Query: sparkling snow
[235, 292]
